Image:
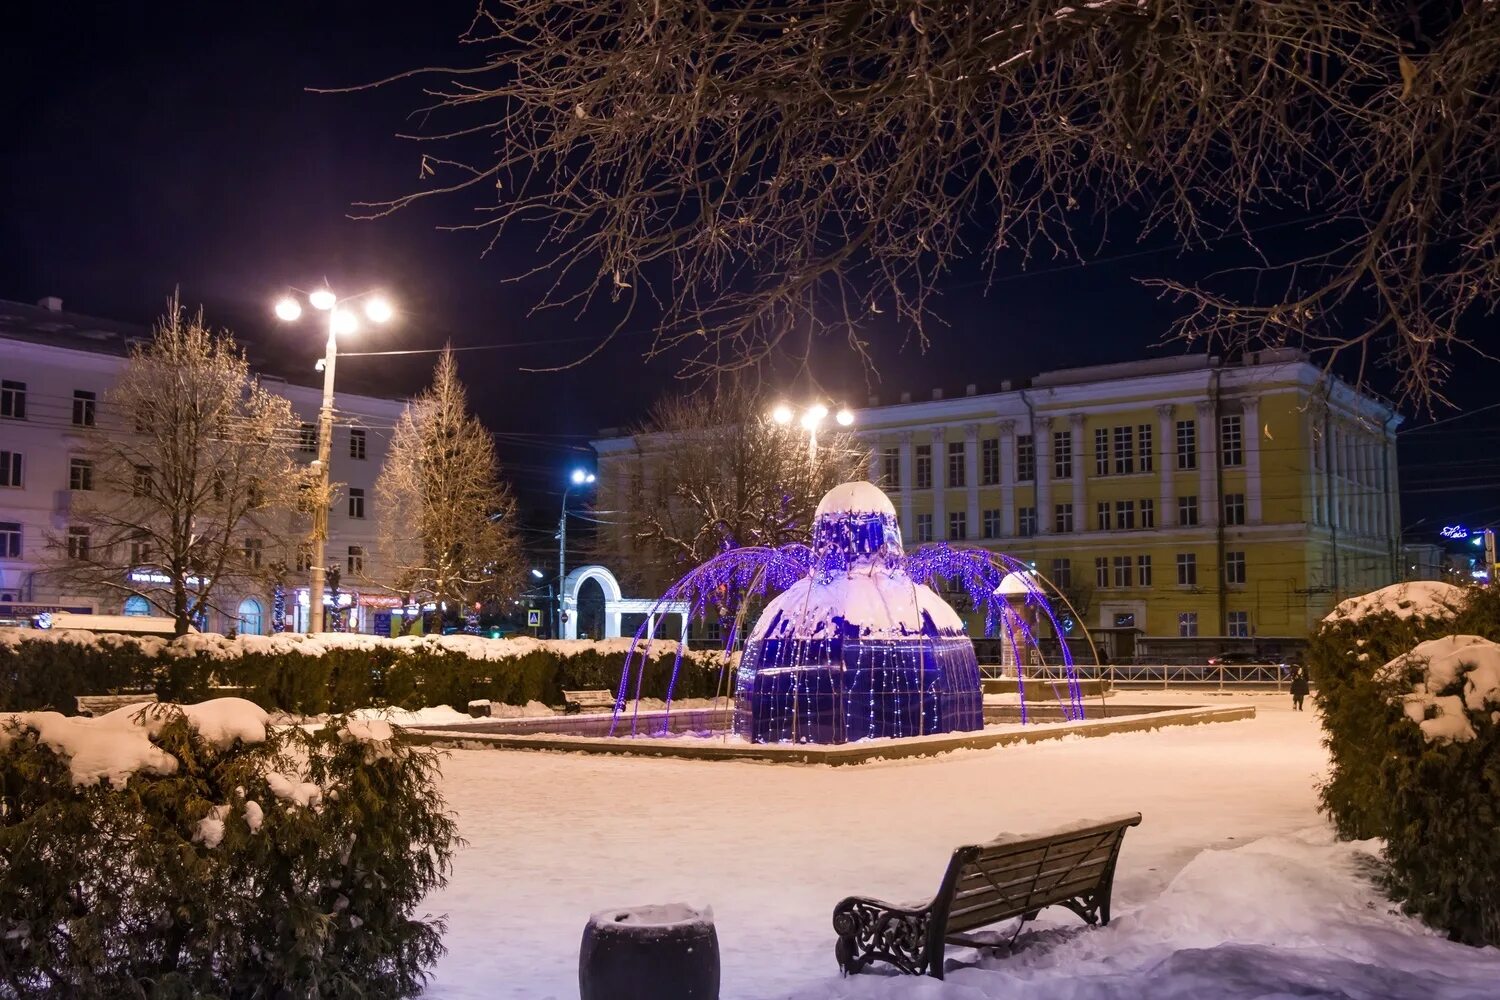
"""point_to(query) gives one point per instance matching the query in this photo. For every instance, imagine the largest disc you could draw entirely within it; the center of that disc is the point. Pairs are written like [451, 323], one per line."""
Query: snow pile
[1416, 599]
[855, 498]
[291, 788]
[655, 915]
[210, 831]
[113, 747]
[108, 749]
[1468, 661]
[440, 715]
[876, 602]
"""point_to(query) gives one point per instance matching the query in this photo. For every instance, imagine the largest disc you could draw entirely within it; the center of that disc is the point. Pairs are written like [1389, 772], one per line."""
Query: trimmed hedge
[1435, 804]
[291, 866]
[50, 673]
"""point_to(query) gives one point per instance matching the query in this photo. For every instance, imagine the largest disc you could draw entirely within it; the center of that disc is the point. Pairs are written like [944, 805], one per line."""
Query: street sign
[534, 618]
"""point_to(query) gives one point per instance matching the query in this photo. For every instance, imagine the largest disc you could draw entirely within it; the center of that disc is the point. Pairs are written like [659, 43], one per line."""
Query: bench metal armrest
[872, 929]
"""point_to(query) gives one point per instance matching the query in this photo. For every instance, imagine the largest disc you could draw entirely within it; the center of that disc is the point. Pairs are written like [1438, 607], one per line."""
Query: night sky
[159, 146]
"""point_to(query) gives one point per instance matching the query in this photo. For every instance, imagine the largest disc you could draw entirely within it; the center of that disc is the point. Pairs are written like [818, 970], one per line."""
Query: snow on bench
[589, 701]
[1008, 877]
[95, 705]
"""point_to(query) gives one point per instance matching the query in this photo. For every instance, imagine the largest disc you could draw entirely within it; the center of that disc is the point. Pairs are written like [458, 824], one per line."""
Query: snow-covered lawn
[1231, 887]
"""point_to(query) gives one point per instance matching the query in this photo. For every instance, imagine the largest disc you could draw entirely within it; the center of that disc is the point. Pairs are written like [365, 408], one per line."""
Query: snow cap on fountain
[855, 498]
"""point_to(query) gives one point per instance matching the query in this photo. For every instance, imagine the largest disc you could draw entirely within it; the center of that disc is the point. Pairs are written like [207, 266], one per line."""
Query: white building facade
[55, 371]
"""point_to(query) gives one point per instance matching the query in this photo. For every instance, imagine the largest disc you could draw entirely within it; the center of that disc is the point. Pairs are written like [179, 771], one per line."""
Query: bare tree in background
[447, 522]
[773, 169]
[725, 475]
[186, 487]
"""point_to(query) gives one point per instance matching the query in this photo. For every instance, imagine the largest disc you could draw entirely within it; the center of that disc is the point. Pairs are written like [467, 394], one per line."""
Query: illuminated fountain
[855, 643]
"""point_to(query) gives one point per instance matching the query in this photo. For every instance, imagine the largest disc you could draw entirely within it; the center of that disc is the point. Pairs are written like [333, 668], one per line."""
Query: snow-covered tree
[724, 475]
[758, 168]
[446, 520]
[186, 486]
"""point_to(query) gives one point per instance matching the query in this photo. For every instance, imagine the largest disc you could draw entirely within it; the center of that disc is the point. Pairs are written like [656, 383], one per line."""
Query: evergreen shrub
[42, 672]
[283, 867]
[1435, 803]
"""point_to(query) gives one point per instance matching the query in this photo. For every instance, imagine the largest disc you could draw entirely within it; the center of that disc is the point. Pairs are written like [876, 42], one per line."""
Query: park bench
[589, 701]
[986, 883]
[95, 705]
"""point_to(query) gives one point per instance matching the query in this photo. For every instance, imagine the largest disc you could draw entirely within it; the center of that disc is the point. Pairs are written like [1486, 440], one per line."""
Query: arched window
[135, 604]
[250, 617]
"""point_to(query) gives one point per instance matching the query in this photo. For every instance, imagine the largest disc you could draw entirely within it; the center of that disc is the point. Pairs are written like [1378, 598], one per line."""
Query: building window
[1238, 624]
[10, 468]
[924, 467]
[1234, 567]
[136, 606]
[356, 503]
[356, 560]
[307, 439]
[304, 557]
[1232, 439]
[1026, 521]
[1101, 451]
[991, 519]
[1125, 515]
[958, 475]
[1062, 518]
[253, 550]
[10, 540]
[958, 525]
[1062, 573]
[1187, 569]
[1187, 624]
[142, 484]
[140, 551]
[1101, 515]
[1143, 570]
[78, 543]
[12, 400]
[1025, 458]
[1124, 451]
[83, 408]
[1122, 571]
[1144, 446]
[80, 474]
[1101, 572]
[1234, 508]
[890, 468]
[989, 462]
[924, 527]
[1187, 444]
[1062, 454]
[250, 617]
[1148, 513]
[1187, 512]
[357, 443]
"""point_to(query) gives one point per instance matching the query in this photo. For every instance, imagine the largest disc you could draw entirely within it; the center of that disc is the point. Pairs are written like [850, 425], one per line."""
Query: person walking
[1299, 687]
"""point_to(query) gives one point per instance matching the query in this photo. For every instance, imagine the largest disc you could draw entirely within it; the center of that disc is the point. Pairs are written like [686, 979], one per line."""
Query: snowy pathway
[1230, 887]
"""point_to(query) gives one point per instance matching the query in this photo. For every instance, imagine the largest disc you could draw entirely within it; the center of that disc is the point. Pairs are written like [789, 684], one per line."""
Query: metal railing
[1163, 675]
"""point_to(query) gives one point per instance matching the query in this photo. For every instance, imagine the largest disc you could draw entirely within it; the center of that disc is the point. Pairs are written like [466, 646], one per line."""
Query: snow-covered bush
[330, 673]
[192, 851]
[1411, 712]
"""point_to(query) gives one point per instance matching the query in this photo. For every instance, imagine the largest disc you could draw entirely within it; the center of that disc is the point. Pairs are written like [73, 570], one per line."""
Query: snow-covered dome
[1015, 585]
[851, 498]
[885, 605]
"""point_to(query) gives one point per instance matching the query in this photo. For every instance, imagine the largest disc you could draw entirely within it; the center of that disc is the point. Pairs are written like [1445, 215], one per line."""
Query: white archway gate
[615, 604]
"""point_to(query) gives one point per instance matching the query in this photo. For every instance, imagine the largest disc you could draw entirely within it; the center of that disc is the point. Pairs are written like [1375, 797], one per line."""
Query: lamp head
[845, 417]
[345, 321]
[379, 309]
[782, 414]
[322, 299]
[288, 309]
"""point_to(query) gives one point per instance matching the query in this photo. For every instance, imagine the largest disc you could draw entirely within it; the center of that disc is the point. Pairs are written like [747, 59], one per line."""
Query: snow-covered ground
[1232, 886]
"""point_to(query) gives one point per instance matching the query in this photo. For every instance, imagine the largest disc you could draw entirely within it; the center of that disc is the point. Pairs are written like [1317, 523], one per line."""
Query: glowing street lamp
[579, 477]
[810, 420]
[341, 320]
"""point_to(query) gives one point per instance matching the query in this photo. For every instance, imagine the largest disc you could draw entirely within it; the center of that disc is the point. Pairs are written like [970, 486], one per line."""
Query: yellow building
[1178, 497]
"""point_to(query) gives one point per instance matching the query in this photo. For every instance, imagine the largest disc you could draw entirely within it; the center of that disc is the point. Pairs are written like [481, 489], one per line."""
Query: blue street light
[580, 477]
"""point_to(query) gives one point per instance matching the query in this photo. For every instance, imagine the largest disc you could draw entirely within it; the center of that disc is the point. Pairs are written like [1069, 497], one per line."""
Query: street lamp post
[289, 309]
[579, 478]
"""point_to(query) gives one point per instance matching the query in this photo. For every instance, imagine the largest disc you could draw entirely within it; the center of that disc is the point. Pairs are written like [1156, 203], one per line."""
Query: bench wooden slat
[986, 883]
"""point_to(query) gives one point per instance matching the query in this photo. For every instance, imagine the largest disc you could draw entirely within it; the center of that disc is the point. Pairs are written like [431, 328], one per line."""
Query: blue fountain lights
[857, 644]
